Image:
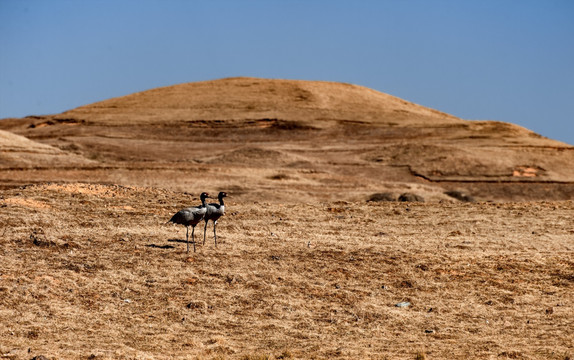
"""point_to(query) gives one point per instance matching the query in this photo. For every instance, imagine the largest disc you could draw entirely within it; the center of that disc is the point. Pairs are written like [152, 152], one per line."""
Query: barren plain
[306, 266]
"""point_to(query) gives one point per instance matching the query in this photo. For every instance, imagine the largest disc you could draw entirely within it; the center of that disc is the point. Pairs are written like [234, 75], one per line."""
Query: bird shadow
[160, 246]
[178, 241]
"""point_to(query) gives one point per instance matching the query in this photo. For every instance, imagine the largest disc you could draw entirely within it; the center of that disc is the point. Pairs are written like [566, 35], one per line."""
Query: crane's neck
[203, 201]
[221, 201]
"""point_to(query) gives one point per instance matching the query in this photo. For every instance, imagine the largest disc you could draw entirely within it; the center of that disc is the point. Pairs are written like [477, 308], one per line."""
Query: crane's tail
[174, 219]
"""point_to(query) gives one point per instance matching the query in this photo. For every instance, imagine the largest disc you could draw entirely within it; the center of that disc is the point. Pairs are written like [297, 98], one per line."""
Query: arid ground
[315, 250]
[94, 271]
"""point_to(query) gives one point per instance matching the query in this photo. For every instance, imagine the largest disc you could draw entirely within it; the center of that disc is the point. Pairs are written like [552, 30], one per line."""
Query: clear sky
[507, 60]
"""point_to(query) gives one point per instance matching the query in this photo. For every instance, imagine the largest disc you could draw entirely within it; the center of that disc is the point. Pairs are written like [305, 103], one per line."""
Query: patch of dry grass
[95, 272]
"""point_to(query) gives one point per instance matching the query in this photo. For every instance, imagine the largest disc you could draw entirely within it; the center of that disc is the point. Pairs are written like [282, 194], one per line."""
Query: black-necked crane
[191, 217]
[214, 212]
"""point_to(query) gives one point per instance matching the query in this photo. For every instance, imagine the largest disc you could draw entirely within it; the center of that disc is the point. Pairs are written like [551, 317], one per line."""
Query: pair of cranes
[193, 216]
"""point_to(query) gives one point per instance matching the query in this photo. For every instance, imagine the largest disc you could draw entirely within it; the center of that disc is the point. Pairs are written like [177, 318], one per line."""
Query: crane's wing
[188, 215]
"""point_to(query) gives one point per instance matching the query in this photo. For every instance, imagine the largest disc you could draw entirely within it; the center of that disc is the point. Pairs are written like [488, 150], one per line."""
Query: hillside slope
[252, 98]
[19, 152]
[284, 140]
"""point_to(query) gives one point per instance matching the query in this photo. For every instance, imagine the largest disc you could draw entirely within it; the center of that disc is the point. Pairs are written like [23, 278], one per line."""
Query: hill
[255, 99]
[19, 152]
[285, 140]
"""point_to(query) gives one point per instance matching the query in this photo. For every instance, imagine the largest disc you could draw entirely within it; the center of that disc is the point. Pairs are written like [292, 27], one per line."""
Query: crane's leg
[214, 234]
[187, 237]
[193, 237]
[204, 230]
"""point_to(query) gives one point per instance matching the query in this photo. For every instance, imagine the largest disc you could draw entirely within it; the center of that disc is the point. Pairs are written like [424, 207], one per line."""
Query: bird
[214, 212]
[191, 217]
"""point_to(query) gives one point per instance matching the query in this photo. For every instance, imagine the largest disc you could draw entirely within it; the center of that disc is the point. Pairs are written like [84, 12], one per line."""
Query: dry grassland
[93, 272]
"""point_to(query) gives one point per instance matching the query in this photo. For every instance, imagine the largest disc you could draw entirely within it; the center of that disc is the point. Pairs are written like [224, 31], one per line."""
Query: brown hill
[286, 140]
[254, 99]
[19, 152]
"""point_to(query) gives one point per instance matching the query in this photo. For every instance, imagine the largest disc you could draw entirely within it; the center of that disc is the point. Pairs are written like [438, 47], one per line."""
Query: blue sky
[477, 59]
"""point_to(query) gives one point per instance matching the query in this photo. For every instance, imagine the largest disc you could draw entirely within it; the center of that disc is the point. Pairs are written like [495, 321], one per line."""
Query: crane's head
[222, 195]
[203, 195]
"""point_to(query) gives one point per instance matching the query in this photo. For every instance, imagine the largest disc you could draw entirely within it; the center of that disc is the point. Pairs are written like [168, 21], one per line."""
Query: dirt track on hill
[93, 271]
